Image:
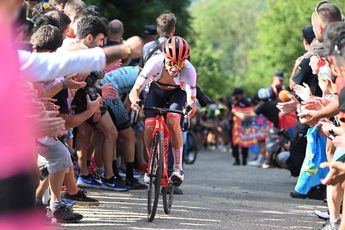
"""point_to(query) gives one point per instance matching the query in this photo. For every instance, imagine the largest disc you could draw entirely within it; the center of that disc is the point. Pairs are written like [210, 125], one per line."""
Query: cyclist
[172, 83]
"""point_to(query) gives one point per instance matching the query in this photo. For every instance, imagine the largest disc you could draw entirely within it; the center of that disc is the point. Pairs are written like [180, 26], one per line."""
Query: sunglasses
[317, 8]
[178, 64]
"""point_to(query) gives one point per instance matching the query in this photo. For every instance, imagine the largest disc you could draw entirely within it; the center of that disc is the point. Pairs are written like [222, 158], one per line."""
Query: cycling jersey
[186, 78]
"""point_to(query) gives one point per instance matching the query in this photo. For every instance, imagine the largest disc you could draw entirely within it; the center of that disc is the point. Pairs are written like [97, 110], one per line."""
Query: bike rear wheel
[155, 175]
[168, 197]
[190, 149]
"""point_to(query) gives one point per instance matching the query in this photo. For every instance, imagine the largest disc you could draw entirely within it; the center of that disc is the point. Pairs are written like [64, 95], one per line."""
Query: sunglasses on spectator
[178, 64]
[317, 8]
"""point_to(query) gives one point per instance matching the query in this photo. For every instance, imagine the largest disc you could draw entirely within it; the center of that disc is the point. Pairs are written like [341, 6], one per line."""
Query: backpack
[154, 51]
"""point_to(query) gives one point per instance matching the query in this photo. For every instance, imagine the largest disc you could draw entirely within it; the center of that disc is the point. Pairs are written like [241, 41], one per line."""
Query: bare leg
[56, 181]
[42, 187]
[140, 156]
[173, 123]
[149, 127]
[342, 223]
[99, 141]
[337, 194]
[69, 182]
[107, 128]
[83, 140]
[126, 143]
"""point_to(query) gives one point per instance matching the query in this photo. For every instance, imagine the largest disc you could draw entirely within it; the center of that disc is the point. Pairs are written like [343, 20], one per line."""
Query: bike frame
[161, 127]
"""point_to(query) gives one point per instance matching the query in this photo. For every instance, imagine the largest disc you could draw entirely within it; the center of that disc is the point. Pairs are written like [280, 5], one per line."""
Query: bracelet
[64, 84]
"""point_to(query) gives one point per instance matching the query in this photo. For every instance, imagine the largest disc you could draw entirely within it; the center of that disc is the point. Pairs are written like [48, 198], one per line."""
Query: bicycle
[190, 147]
[158, 163]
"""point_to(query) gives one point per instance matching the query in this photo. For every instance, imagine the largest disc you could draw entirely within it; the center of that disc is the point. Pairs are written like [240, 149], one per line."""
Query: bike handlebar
[163, 111]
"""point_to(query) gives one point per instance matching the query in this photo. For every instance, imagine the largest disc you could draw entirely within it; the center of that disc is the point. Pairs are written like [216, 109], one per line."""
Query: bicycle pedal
[176, 181]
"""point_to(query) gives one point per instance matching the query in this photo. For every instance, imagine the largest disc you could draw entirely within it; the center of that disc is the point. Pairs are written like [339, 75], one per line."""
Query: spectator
[72, 7]
[62, 20]
[165, 29]
[52, 151]
[149, 33]
[239, 101]
[116, 31]
[58, 4]
[276, 85]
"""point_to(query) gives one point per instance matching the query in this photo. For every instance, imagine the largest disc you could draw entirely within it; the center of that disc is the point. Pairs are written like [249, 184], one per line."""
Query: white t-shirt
[40, 67]
[186, 78]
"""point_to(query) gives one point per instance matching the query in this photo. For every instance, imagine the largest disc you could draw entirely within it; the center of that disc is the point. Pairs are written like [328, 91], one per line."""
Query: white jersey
[186, 78]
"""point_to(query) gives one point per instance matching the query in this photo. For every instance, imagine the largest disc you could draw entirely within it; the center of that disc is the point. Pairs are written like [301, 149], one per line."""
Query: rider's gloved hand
[194, 109]
[136, 105]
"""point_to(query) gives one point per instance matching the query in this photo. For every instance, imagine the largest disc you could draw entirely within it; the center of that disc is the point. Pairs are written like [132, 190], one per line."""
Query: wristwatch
[332, 132]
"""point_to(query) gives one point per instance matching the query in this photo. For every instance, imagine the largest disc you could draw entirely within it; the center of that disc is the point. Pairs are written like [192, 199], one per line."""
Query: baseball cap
[150, 30]
[279, 75]
[238, 91]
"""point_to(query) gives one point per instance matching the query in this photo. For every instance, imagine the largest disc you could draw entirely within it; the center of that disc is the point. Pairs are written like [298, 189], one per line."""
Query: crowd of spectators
[76, 72]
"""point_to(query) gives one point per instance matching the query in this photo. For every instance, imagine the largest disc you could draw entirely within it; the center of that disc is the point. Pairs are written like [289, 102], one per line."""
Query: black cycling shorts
[161, 98]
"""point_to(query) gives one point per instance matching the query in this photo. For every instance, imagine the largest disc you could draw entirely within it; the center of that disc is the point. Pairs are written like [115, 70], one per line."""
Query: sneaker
[122, 173]
[297, 195]
[98, 178]
[177, 177]
[88, 182]
[65, 214]
[322, 214]
[146, 178]
[331, 226]
[257, 162]
[135, 184]
[114, 184]
[80, 198]
[265, 166]
[68, 202]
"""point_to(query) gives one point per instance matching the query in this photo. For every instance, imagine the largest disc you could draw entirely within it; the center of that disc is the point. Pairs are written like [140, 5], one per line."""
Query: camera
[92, 91]
[43, 171]
[91, 88]
[94, 75]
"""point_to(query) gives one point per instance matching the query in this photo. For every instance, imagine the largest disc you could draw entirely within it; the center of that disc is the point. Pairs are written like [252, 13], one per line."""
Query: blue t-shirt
[122, 79]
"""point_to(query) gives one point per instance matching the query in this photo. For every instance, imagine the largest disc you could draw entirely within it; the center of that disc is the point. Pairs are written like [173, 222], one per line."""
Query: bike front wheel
[155, 175]
[168, 197]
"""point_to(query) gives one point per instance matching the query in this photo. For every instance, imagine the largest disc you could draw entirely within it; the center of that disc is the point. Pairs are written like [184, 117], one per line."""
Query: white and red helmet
[176, 49]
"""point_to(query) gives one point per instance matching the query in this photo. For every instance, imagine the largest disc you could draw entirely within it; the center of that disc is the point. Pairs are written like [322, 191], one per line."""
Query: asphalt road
[217, 195]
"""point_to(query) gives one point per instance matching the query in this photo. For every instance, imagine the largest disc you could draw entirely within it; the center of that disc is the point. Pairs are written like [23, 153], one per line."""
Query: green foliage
[137, 13]
[241, 43]
[221, 37]
[280, 38]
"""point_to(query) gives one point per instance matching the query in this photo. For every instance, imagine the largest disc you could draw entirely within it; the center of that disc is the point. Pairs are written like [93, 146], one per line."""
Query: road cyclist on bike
[171, 81]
